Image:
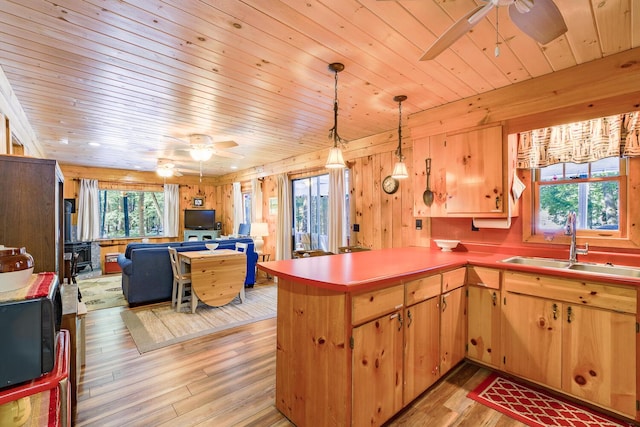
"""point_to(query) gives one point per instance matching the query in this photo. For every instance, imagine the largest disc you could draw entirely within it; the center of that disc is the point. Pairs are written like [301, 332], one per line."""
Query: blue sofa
[146, 268]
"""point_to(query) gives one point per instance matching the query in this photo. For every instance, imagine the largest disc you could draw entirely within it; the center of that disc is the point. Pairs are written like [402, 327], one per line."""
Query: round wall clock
[390, 185]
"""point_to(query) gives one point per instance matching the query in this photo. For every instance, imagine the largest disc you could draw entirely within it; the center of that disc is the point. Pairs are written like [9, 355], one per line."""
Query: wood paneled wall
[386, 220]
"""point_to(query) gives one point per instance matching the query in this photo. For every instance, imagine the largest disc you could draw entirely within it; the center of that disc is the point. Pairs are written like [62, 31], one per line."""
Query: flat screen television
[199, 219]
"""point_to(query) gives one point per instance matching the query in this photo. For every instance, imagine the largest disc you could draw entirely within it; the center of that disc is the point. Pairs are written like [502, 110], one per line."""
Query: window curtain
[336, 210]
[580, 142]
[171, 215]
[89, 210]
[285, 211]
[237, 207]
[256, 200]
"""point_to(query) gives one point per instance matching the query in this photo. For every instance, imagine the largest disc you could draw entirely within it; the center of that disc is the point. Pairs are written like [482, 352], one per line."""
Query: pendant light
[400, 169]
[335, 159]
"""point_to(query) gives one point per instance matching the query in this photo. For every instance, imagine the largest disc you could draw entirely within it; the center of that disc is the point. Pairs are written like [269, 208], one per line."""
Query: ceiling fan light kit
[201, 153]
[540, 19]
[400, 168]
[335, 159]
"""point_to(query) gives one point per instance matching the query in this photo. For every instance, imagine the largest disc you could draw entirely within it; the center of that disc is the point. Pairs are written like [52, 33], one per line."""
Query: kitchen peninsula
[360, 335]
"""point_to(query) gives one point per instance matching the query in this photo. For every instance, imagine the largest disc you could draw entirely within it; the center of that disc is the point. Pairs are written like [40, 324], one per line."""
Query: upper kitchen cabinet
[468, 173]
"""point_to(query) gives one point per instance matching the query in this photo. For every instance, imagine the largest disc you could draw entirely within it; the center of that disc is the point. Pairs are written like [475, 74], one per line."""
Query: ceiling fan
[539, 19]
[166, 168]
[202, 147]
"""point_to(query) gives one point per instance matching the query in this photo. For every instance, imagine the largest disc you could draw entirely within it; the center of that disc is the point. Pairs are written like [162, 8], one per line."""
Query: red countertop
[357, 271]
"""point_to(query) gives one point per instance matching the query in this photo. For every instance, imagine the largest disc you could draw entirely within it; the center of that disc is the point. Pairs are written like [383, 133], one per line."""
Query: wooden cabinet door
[453, 330]
[599, 360]
[484, 312]
[434, 148]
[475, 172]
[377, 370]
[532, 338]
[421, 347]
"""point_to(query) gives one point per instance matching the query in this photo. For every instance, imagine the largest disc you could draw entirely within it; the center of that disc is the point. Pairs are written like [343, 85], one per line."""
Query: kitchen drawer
[370, 305]
[453, 279]
[422, 289]
[590, 294]
[482, 276]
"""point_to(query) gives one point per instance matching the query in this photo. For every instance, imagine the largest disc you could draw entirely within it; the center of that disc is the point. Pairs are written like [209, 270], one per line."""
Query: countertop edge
[320, 271]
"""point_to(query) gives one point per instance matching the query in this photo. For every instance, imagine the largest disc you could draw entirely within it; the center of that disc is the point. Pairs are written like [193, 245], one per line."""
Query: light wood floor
[226, 379]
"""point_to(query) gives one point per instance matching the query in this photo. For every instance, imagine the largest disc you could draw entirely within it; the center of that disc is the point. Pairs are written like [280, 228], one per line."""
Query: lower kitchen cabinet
[573, 336]
[422, 347]
[599, 357]
[377, 370]
[532, 339]
[453, 319]
[484, 313]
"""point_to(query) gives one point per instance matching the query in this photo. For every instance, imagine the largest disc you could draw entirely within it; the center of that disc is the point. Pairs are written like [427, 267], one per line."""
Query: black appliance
[30, 320]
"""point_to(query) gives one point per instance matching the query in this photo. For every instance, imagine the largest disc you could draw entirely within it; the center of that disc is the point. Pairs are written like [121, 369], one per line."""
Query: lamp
[165, 170]
[258, 231]
[201, 153]
[400, 169]
[335, 159]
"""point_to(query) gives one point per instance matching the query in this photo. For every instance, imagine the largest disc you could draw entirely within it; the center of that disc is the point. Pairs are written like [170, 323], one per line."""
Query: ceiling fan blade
[227, 154]
[224, 144]
[543, 22]
[457, 30]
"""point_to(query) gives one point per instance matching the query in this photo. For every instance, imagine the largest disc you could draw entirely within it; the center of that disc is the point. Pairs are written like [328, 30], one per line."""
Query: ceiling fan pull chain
[496, 52]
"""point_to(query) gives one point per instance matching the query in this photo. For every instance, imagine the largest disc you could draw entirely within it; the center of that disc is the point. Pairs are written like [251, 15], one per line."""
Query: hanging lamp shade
[335, 159]
[400, 168]
[400, 171]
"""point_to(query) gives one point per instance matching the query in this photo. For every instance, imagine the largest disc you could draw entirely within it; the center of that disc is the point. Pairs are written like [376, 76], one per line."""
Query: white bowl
[211, 246]
[13, 280]
[446, 245]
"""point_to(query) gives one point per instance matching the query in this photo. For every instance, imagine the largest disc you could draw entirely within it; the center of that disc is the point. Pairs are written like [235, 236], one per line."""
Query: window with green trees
[592, 190]
[131, 213]
[311, 212]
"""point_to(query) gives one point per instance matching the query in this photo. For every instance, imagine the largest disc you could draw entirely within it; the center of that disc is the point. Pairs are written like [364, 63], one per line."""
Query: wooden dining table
[217, 276]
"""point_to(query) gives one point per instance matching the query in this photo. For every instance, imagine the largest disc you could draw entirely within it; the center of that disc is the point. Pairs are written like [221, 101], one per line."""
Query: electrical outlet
[356, 227]
[418, 224]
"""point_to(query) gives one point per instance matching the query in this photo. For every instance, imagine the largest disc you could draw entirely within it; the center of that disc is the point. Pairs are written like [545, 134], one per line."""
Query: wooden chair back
[242, 247]
[173, 256]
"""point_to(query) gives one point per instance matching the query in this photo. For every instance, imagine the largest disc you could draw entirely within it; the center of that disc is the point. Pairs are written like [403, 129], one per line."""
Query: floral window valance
[580, 142]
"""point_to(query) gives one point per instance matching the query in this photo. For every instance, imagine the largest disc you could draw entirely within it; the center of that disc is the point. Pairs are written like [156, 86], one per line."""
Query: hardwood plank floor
[227, 379]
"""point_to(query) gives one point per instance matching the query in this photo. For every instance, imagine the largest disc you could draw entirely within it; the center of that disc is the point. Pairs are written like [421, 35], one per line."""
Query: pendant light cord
[333, 132]
[400, 157]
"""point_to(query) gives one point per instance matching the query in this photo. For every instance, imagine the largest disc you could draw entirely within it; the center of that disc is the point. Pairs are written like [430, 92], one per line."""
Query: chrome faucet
[570, 230]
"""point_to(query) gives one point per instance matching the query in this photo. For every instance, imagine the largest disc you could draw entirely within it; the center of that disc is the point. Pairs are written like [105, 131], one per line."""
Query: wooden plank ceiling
[130, 74]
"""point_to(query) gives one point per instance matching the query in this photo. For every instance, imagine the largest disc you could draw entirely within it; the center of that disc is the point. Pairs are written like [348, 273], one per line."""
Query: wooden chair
[242, 247]
[181, 284]
[73, 272]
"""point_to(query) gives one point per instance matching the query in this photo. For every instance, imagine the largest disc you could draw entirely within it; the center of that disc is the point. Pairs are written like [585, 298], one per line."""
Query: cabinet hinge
[637, 405]
[352, 343]
[466, 292]
[504, 301]
[504, 360]
[637, 328]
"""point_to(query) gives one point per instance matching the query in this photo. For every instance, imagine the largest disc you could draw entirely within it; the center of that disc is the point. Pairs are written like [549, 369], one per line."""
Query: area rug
[102, 292]
[159, 325]
[536, 408]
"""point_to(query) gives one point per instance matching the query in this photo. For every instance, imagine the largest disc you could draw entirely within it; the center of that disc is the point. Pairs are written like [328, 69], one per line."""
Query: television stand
[201, 234]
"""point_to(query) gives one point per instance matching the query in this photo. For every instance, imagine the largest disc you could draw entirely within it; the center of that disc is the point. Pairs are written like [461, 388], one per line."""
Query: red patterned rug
[536, 408]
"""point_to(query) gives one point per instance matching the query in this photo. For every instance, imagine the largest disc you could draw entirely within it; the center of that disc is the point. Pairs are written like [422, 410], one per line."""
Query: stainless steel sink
[606, 269]
[580, 266]
[537, 262]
